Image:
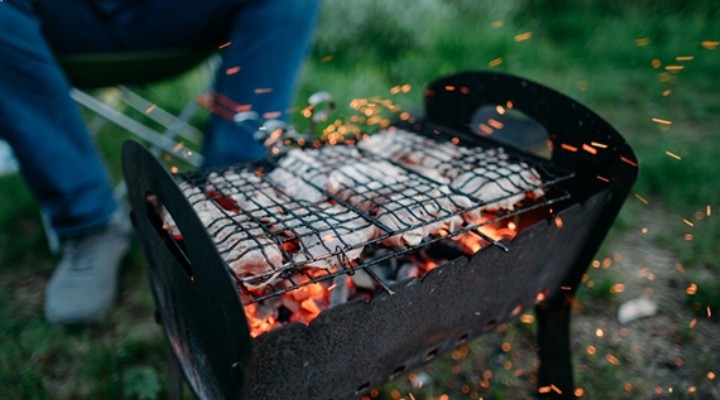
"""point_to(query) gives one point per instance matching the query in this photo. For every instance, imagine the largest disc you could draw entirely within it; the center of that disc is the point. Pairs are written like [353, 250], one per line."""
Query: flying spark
[612, 359]
[710, 44]
[674, 67]
[642, 199]
[642, 42]
[523, 36]
[684, 58]
[661, 121]
[494, 63]
[673, 155]
[589, 149]
[628, 161]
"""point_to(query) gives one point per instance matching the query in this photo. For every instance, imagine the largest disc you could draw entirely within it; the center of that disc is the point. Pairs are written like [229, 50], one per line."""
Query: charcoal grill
[352, 347]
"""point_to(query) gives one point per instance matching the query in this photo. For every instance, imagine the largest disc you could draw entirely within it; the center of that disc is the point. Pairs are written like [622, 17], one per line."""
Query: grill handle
[196, 300]
[582, 141]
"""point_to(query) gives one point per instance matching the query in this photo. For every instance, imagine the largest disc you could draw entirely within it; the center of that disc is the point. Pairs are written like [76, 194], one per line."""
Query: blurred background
[649, 67]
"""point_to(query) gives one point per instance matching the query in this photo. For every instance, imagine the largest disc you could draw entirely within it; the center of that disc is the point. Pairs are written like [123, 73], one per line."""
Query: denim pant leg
[45, 129]
[269, 40]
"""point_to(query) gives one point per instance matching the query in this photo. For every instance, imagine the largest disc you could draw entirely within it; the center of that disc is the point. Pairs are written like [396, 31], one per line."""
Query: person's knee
[15, 22]
[295, 15]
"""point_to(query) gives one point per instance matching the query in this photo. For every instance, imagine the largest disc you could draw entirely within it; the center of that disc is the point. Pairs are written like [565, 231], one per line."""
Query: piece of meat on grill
[246, 248]
[500, 185]
[301, 172]
[294, 187]
[414, 151]
[243, 191]
[328, 235]
[204, 208]
[366, 185]
[240, 241]
[420, 212]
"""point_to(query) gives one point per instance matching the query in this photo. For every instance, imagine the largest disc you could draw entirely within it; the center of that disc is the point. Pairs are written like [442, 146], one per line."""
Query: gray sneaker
[84, 284]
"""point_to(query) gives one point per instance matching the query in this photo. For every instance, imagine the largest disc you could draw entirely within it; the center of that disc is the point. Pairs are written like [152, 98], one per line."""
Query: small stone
[635, 309]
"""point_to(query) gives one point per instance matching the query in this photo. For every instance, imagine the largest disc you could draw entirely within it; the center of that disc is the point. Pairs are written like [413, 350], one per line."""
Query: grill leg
[175, 389]
[555, 377]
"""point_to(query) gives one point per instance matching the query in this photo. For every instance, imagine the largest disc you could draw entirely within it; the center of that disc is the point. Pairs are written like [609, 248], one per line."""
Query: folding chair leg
[175, 384]
[51, 236]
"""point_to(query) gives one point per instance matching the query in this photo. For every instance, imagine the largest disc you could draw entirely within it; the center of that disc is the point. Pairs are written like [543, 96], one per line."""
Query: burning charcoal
[328, 235]
[340, 292]
[406, 271]
[362, 280]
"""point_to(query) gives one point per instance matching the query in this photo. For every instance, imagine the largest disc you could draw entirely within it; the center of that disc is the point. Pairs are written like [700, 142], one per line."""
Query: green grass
[586, 49]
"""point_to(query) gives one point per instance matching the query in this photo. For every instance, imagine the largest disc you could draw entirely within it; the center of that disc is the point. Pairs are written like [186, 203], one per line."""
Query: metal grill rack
[271, 216]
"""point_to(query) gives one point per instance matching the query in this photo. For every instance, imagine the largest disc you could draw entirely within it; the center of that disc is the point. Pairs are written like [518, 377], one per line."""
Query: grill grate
[308, 217]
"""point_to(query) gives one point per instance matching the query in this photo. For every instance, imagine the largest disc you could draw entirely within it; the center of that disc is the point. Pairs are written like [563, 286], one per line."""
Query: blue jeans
[269, 40]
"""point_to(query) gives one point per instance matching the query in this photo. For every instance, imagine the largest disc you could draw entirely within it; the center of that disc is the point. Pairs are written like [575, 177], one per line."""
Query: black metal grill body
[358, 345]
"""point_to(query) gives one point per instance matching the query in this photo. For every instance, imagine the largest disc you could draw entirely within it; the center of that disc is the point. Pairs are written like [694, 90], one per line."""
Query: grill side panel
[356, 346]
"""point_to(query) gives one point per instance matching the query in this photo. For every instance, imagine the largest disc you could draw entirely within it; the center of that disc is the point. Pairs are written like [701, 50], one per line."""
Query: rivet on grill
[397, 371]
[431, 354]
[462, 339]
[365, 386]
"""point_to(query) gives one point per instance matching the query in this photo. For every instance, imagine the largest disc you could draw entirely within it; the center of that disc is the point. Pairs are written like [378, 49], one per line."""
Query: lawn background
[614, 58]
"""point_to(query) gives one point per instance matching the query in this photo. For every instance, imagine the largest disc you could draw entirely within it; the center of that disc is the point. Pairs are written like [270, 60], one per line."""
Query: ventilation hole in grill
[512, 128]
[397, 371]
[362, 388]
[463, 338]
[173, 241]
[490, 324]
[431, 354]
